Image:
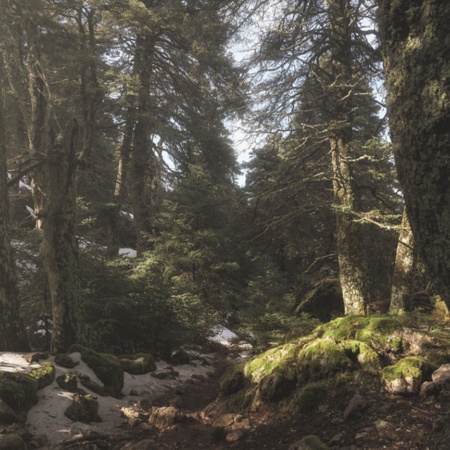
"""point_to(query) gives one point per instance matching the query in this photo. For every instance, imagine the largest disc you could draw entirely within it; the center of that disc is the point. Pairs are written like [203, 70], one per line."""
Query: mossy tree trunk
[416, 49]
[59, 246]
[402, 279]
[352, 268]
[12, 331]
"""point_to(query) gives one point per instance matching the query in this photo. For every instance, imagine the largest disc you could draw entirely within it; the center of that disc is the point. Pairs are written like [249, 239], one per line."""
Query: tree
[324, 44]
[415, 49]
[12, 331]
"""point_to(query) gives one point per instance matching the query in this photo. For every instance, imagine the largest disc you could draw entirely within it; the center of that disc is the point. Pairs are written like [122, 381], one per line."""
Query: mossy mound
[107, 367]
[103, 391]
[397, 352]
[44, 375]
[138, 364]
[84, 408]
[18, 390]
[64, 360]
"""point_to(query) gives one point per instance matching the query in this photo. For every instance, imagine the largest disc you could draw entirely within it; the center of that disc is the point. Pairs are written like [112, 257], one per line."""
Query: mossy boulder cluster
[399, 353]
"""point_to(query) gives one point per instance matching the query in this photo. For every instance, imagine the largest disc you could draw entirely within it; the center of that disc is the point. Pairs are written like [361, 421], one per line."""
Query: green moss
[232, 380]
[321, 359]
[312, 442]
[311, 396]
[371, 330]
[411, 366]
[44, 375]
[362, 354]
[138, 364]
[12, 394]
[64, 360]
[274, 359]
[107, 367]
[95, 387]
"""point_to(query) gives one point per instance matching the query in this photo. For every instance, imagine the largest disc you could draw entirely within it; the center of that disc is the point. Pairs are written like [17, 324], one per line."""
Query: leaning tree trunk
[59, 246]
[352, 268]
[416, 51]
[12, 331]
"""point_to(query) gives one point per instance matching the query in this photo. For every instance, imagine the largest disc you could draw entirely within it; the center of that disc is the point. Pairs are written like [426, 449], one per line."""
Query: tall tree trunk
[352, 267]
[59, 246]
[402, 281]
[143, 180]
[416, 53]
[12, 331]
[38, 120]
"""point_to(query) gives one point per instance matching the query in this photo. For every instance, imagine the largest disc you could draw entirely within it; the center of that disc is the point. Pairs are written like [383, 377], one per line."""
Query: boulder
[68, 382]
[84, 408]
[7, 415]
[12, 441]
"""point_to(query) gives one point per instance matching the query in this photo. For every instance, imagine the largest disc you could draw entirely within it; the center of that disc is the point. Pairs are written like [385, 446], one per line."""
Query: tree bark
[352, 267]
[59, 246]
[13, 335]
[402, 281]
[416, 53]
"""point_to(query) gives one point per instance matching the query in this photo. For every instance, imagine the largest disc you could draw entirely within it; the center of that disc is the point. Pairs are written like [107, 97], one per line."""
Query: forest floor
[385, 422]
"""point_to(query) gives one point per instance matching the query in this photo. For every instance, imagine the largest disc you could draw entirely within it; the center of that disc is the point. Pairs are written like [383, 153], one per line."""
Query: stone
[84, 408]
[235, 435]
[430, 388]
[7, 415]
[309, 443]
[12, 441]
[356, 407]
[441, 375]
[32, 357]
[165, 416]
[68, 382]
[403, 386]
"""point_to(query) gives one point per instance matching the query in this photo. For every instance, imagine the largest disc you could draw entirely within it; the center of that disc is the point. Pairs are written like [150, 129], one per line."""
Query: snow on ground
[128, 252]
[47, 416]
[223, 335]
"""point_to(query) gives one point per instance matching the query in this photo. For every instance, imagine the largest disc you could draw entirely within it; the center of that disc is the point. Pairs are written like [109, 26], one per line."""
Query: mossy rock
[276, 387]
[404, 377]
[311, 396]
[362, 354]
[84, 408]
[68, 382]
[138, 364]
[44, 375]
[310, 442]
[18, 390]
[64, 360]
[181, 357]
[321, 359]
[232, 380]
[12, 441]
[107, 367]
[369, 329]
[103, 391]
[279, 358]
[7, 415]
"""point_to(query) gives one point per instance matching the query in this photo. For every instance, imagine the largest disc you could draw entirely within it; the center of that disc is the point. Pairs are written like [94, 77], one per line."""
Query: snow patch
[127, 252]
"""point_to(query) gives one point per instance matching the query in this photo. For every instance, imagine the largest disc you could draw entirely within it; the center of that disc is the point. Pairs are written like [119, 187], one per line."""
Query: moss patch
[232, 380]
[138, 364]
[310, 397]
[107, 367]
[44, 375]
[18, 390]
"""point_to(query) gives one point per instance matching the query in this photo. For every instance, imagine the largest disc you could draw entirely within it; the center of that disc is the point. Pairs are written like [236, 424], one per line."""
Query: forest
[276, 167]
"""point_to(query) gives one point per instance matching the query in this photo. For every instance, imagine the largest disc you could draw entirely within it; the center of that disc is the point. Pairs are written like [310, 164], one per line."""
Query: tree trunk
[12, 331]
[60, 247]
[143, 174]
[352, 268]
[416, 53]
[402, 281]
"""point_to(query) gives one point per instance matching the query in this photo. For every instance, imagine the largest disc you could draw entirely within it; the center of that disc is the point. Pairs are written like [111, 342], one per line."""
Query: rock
[32, 357]
[356, 407]
[64, 360]
[181, 357]
[44, 375]
[403, 386]
[232, 380]
[441, 375]
[166, 416]
[68, 382]
[169, 375]
[7, 415]
[134, 416]
[235, 435]
[38, 441]
[429, 388]
[145, 444]
[224, 421]
[12, 441]
[84, 408]
[199, 377]
[276, 387]
[309, 443]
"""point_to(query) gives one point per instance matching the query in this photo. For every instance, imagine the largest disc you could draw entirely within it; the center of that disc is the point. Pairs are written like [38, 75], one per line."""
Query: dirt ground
[385, 422]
